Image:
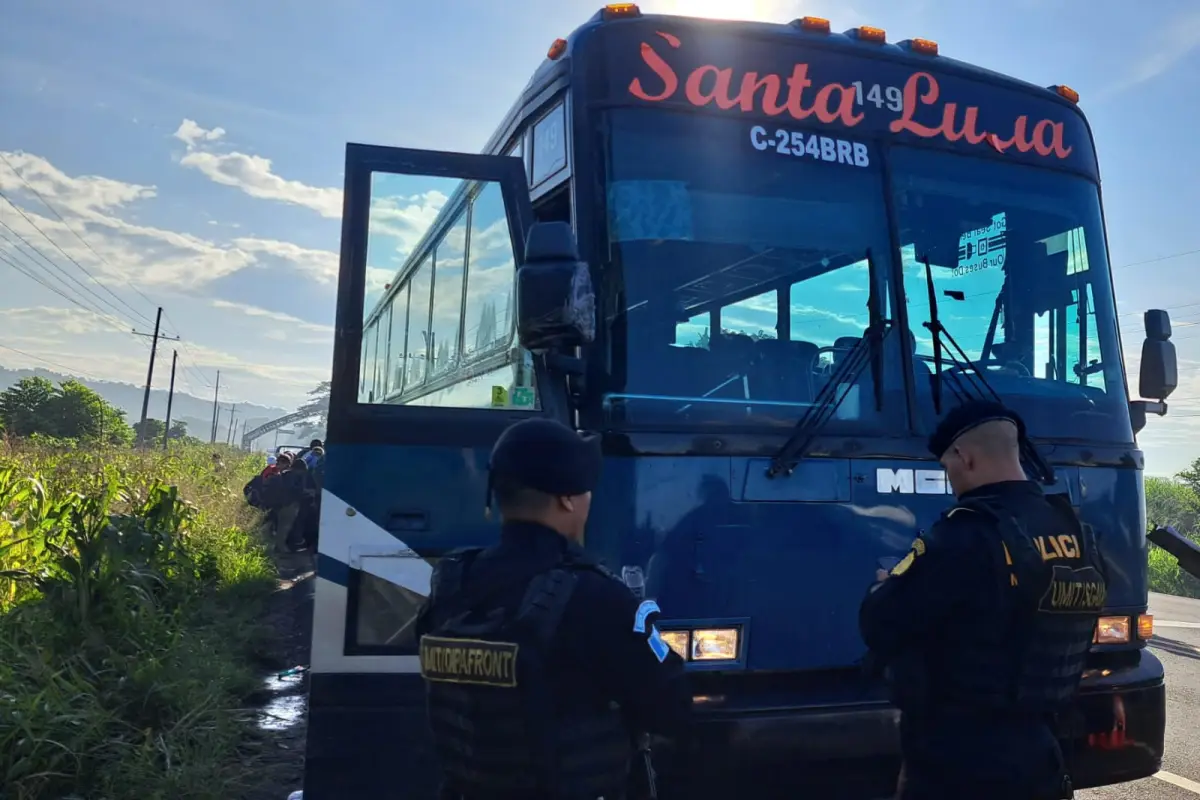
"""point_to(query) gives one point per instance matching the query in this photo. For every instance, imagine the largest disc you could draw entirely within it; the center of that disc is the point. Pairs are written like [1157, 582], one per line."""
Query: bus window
[1021, 276]
[421, 284]
[439, 324]
[490, 276]
[449, 262]
[755, 317]
[399, 339]
[695, 332]
[549, 146]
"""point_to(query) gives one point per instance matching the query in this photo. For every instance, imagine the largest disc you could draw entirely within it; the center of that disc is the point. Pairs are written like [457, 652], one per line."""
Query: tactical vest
[1059, 595]
[495, 726]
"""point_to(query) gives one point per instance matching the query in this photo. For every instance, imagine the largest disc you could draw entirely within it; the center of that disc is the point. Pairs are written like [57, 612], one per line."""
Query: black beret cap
[548, 457]
[967, 416]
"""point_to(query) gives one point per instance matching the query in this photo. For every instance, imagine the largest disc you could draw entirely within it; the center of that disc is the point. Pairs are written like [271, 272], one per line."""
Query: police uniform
[986, 625]
[540, 665]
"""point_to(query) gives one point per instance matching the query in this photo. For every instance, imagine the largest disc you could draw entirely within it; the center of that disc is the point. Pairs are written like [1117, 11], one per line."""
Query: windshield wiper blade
[867, 349]
[961, 385]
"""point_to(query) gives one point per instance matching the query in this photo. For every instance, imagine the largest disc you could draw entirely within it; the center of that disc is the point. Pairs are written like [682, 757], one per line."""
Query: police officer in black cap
[540, 665]
[992, 612]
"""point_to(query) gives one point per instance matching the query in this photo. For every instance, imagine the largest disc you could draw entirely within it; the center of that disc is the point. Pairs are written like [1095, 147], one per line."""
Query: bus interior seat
[784, 368]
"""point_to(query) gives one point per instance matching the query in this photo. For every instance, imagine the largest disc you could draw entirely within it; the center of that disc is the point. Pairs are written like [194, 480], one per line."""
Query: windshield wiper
[834, 392]
[964, 369]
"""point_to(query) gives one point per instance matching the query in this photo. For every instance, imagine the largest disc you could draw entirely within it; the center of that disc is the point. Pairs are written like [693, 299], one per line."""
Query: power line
[84, 269]
[61, 273]
[70, 370]
[85, 243]
[24, 270]
[1160, 258]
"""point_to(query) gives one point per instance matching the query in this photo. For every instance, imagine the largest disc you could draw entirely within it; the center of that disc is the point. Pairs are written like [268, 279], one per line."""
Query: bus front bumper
[1119, 722]
[1114, 734]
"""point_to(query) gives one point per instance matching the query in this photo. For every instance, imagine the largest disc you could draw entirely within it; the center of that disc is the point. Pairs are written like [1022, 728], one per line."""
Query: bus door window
[439, 323]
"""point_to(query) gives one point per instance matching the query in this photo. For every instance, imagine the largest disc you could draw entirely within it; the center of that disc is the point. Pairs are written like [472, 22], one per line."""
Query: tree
[76, 412]
[23, 406]
[149, 433]
[178, 430]
[1191, 476]
[69, 411]
[1174, 503]
[318, 405]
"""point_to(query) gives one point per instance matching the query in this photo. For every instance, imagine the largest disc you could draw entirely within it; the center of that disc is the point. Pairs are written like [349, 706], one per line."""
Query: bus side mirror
[556, 307]
[1159, 372]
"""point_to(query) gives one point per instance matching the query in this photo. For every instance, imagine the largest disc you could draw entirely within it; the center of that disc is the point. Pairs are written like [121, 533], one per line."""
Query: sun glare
[759, 10]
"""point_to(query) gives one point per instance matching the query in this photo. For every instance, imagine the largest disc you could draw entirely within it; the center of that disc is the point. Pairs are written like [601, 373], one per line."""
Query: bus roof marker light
[621, 10]
[557, 48]
[1066, 92]
[926, 47]
[812, 24]
[866, 33]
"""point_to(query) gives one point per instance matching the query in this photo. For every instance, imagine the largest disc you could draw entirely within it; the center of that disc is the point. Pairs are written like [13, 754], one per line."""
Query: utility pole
[241, 443]
[212, 437]
[232, 422]
[154, 337]
[170, 399]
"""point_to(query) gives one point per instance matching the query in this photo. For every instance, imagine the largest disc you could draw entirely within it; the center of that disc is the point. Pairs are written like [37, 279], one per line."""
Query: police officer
[987, 622]
[541, 667]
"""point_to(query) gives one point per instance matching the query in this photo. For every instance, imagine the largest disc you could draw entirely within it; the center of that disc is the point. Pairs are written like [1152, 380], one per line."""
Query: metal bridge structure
[275, 424]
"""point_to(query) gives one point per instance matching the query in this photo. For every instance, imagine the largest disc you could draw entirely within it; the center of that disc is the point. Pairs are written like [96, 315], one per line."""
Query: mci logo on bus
[911, 481]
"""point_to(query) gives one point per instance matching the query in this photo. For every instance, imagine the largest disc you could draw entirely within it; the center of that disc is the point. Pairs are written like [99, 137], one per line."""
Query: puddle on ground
[286, 702]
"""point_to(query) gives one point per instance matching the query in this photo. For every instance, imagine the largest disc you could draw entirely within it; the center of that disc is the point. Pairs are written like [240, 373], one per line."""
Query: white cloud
[320, 265]
[190, 133]
[1173, 42]
[276, 316]
[264, 356]
[251, 174]
[97, 210]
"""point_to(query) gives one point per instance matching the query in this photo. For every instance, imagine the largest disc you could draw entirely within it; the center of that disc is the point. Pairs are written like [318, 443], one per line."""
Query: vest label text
[474, 661]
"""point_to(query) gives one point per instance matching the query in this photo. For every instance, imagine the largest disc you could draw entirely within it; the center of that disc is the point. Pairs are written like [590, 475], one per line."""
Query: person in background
[282, 462]
[310, 455]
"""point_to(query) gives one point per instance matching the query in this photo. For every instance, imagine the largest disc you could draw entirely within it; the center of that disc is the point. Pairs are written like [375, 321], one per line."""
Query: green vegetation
[1175, 502]
[71, 413]
[132, 605]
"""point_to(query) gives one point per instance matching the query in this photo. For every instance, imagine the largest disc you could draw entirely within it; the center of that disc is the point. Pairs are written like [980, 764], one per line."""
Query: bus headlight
[704, 644]
[1112, 630]
[677, 641]
[715, 644]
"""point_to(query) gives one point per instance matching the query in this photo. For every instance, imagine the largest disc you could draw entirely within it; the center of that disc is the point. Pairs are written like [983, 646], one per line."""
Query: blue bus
[798, 247]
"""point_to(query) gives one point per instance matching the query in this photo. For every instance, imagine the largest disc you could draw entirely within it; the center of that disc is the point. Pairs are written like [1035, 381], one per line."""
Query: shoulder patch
[644, 610]
[904, 564]
[473, 661]
[659, 647]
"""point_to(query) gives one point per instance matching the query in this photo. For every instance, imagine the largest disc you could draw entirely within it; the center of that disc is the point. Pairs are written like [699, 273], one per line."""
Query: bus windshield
[743, 252]
[1018, 259]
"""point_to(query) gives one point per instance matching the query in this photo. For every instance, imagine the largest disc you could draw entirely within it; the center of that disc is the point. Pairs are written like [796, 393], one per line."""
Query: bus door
[427, 372]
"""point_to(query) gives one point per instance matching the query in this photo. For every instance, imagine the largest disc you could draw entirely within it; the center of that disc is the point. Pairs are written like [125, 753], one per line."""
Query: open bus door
[427, 372]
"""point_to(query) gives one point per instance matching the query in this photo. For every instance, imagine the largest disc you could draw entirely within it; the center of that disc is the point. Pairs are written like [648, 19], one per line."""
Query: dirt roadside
[280, 708]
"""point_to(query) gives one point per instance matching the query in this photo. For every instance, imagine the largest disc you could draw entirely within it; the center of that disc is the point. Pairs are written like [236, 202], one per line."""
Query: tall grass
[131, 620]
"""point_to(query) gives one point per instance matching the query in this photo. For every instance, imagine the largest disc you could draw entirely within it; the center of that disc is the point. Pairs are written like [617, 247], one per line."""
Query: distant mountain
[195, 411]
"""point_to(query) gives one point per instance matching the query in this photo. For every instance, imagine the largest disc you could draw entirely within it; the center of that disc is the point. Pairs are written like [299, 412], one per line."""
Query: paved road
[1177, 643]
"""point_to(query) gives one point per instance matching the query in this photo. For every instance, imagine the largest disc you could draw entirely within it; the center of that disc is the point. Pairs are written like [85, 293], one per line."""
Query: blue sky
[197, 147]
